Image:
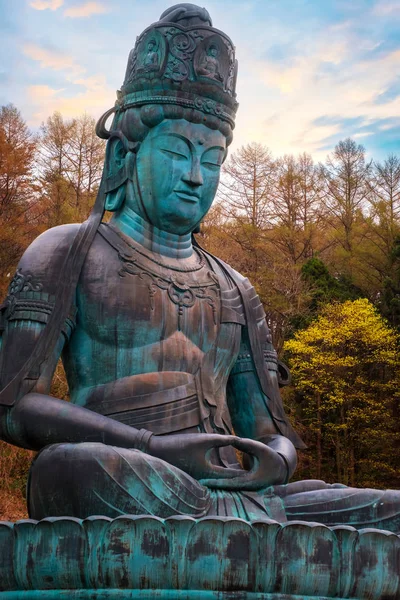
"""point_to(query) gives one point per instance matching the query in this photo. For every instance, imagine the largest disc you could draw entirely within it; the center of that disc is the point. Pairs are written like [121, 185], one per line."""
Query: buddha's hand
[191, 452]
[267, 467]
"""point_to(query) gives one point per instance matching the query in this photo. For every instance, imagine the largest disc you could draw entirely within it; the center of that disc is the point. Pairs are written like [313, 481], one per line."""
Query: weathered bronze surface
[166, 348]
[186, 559]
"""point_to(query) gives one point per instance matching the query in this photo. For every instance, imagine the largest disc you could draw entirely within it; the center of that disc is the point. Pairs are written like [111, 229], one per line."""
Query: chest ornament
[184, 287]
[181, 289]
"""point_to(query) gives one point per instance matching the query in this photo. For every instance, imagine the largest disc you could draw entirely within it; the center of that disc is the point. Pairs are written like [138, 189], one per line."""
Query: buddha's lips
[188, 196]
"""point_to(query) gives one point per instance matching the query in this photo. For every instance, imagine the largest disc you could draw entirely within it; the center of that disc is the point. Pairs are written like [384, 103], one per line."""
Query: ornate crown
[181, 59]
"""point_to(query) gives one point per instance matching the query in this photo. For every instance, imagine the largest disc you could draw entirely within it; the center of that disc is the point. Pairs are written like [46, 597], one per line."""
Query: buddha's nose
[194, 176]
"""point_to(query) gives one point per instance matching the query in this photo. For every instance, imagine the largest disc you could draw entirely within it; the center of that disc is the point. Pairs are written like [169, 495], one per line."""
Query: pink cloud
[85, 10]
[53, 59]
[45, 4]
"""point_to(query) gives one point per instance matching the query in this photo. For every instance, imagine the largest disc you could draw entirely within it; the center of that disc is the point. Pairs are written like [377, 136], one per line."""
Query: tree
[17, 188]
[389, 301]
[383, 226]
[295, 201]
[85, 159]
[267, 221]
[70, 168]
[385, 200]
[245, 186]
[17, 157]
[345, 367]
[346, 174]
[324, 287]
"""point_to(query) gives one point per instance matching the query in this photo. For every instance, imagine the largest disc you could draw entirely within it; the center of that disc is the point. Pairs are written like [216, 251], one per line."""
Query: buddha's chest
[130, 301]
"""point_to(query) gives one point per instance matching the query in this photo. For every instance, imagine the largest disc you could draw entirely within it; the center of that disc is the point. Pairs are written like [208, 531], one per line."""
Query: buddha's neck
[152, 238]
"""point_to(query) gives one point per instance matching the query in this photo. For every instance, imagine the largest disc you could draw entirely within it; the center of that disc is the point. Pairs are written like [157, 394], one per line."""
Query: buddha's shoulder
[44, 260]
[46, 254]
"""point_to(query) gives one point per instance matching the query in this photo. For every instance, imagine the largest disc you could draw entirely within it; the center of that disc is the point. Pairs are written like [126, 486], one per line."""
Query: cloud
[94, 99]
[45, 4]
[362, 134]
[386, 8]
[52, 59]
[327, 71]
[77, 94]
[333, 87]
[40, 93]
[85, 10]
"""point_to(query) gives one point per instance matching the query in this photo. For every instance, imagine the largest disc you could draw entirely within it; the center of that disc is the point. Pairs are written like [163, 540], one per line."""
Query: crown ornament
[183, 60]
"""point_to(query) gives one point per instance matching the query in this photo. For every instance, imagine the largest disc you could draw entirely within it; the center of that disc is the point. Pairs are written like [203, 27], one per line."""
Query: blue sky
[311, 72]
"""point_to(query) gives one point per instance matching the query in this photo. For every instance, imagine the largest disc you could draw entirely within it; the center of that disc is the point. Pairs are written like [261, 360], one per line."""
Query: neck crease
[152, 238]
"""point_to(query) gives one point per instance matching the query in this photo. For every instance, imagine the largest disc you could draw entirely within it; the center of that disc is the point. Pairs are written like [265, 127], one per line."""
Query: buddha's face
[178, 167]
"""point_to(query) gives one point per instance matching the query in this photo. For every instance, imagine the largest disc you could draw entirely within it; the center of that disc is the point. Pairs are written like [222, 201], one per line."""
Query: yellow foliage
[345, 369]
[343, 340]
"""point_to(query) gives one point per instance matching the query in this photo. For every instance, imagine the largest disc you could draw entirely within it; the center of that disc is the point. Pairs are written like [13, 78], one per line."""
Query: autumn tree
[85, 159]
[70, 168]
[345, 370]
[17, 189]
[385, 200]
[18, 199]
[295, 207]
[245, 185]
[346, 176]
[382, 226]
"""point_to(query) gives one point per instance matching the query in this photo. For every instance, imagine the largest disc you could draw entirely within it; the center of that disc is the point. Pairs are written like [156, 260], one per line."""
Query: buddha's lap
[92, 478]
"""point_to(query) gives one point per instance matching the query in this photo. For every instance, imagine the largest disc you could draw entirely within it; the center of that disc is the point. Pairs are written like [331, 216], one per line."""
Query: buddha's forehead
[195, 133]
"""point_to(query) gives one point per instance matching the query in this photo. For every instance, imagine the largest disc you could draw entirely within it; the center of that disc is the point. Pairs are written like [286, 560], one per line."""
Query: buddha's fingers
[209, 441]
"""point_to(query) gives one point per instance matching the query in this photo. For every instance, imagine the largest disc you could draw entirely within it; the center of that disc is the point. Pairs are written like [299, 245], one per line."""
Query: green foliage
[390, 300]
[326, 288]
[323, 289]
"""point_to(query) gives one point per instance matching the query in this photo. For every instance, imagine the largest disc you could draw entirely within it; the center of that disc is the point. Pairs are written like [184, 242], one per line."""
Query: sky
[311, 72]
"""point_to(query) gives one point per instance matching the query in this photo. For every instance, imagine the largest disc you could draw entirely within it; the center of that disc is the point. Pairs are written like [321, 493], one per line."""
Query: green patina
[169, 359]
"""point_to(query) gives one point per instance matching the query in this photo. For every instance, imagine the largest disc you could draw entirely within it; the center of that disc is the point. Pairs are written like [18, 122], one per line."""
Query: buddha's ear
[119, 166]
[115, 156]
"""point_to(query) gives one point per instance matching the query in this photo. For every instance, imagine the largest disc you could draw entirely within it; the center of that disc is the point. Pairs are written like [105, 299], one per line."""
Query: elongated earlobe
[124, 169]
[115, 199]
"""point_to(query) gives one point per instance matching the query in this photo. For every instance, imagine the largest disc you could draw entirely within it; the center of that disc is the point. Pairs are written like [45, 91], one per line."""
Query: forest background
[321, 244]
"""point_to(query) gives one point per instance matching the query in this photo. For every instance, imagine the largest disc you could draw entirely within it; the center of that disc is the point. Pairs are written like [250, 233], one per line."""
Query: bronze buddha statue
[167, 352]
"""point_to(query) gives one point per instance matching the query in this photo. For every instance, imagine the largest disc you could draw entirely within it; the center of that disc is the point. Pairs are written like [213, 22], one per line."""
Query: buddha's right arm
[37, 419]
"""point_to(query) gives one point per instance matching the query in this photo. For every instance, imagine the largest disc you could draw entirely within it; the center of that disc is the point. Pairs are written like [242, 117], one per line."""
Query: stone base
[185, 559]
[150, 595]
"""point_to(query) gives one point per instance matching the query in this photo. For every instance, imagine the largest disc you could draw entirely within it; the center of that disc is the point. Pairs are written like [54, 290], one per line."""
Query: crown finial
[187, 14]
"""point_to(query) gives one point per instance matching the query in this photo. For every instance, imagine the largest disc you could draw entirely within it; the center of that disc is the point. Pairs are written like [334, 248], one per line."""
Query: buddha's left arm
[249, 406]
